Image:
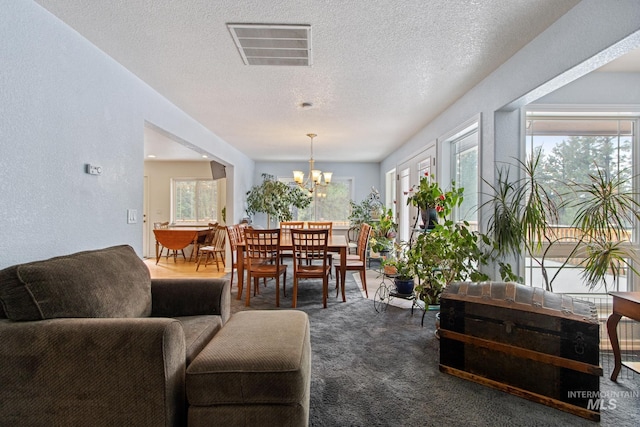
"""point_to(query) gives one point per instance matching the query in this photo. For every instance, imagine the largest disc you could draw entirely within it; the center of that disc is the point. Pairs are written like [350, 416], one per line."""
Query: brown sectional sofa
[90, 339]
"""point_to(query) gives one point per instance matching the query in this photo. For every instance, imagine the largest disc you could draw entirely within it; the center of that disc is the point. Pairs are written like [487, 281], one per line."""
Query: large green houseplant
[447, 251]
[524, 216]
[275, 198]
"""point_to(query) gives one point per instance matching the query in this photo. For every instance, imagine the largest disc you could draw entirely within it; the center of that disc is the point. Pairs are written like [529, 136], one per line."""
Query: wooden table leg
[157, 255]
[240, 270]
[612, 324]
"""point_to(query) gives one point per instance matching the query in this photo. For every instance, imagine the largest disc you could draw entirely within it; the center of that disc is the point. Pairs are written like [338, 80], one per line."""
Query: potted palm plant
[524, 217]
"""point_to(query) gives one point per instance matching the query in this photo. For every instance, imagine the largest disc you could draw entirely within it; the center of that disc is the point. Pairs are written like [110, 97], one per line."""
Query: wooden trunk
[526, 341]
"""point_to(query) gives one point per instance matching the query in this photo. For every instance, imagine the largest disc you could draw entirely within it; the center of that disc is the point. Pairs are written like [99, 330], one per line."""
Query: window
[572, 146]
[330, 203]
[194, 201]
[463, 154]
[466, 175]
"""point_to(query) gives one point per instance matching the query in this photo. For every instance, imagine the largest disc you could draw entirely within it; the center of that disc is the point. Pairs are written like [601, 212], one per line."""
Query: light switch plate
[132, 216]
[93, 169]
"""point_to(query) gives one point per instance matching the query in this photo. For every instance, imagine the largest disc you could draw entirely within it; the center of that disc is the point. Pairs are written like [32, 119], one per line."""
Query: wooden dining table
[178, 238]
[335, 244]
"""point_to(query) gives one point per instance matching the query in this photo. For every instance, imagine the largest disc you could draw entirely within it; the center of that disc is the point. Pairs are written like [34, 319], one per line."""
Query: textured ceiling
[381, 70]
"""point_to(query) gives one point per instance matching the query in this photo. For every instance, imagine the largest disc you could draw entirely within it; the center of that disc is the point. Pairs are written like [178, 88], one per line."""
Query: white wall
[601, 88]
[64, 103]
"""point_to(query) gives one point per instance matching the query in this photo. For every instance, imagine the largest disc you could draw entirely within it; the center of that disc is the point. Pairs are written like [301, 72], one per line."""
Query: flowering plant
[428, 195]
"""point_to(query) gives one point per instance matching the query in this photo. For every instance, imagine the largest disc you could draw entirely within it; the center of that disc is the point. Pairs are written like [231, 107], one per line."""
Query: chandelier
[314, 179]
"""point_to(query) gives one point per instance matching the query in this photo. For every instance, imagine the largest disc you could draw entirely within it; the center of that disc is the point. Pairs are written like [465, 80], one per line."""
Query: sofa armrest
[115, 371]
[190, 297]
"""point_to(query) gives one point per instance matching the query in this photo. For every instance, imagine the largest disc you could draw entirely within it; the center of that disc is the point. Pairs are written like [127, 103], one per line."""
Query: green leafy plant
[367, 210]
[399, 264]
[383, 232]
[275, 198]
[429, 195]
[524, 218]
[449, 252]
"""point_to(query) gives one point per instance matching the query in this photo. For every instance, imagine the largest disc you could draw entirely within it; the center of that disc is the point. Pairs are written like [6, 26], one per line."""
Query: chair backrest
[320, 225]
[211, 236]
[261, 245]
[233, 232]
[353, 232]
[219, 240]
[309, 245]
[363, 241]
[286, 226]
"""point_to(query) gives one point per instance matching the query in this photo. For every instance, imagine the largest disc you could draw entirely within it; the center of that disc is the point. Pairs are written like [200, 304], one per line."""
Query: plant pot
[404, 286]
[390, 270]
[429, 218]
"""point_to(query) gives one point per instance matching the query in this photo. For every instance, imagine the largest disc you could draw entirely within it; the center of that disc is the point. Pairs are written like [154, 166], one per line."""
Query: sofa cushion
[198, 331]
[110, 282]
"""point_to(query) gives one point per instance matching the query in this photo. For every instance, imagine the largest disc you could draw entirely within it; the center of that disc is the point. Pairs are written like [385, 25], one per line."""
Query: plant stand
[387, 291]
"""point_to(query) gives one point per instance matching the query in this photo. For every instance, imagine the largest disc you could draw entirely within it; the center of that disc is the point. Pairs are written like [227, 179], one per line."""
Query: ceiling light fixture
[315, 176]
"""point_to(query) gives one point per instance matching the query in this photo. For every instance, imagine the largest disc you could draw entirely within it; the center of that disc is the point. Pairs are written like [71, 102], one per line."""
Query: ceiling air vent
[262, 44]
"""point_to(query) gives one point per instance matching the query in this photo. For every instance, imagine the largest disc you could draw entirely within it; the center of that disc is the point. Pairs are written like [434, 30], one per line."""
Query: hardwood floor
[167, 268]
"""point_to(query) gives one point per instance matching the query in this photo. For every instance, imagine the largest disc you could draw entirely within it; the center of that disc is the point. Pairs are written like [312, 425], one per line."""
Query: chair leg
[337, 282]
[248, 298]
[325, 290]
[284, 285]
[278, 290]
[363, 279]
[294, 298]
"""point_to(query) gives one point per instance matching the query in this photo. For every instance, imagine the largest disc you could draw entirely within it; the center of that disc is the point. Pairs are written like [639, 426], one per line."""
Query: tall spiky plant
[606, 210]
[523, 213]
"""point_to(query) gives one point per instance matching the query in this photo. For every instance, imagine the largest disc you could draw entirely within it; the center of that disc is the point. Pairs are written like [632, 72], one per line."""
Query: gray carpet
[381, 369]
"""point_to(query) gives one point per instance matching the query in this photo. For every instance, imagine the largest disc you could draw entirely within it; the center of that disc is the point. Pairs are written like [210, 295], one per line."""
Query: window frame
[545, 112]
[173, 202]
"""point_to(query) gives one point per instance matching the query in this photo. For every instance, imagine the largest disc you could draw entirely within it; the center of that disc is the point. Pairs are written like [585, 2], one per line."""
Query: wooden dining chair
[357, 262]
[310, 259]
[285, 234]
[352, 238]
[323, 225]
[216, 248]
[262, 260]
[207, 240]
[320, 225]
[235, 234]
